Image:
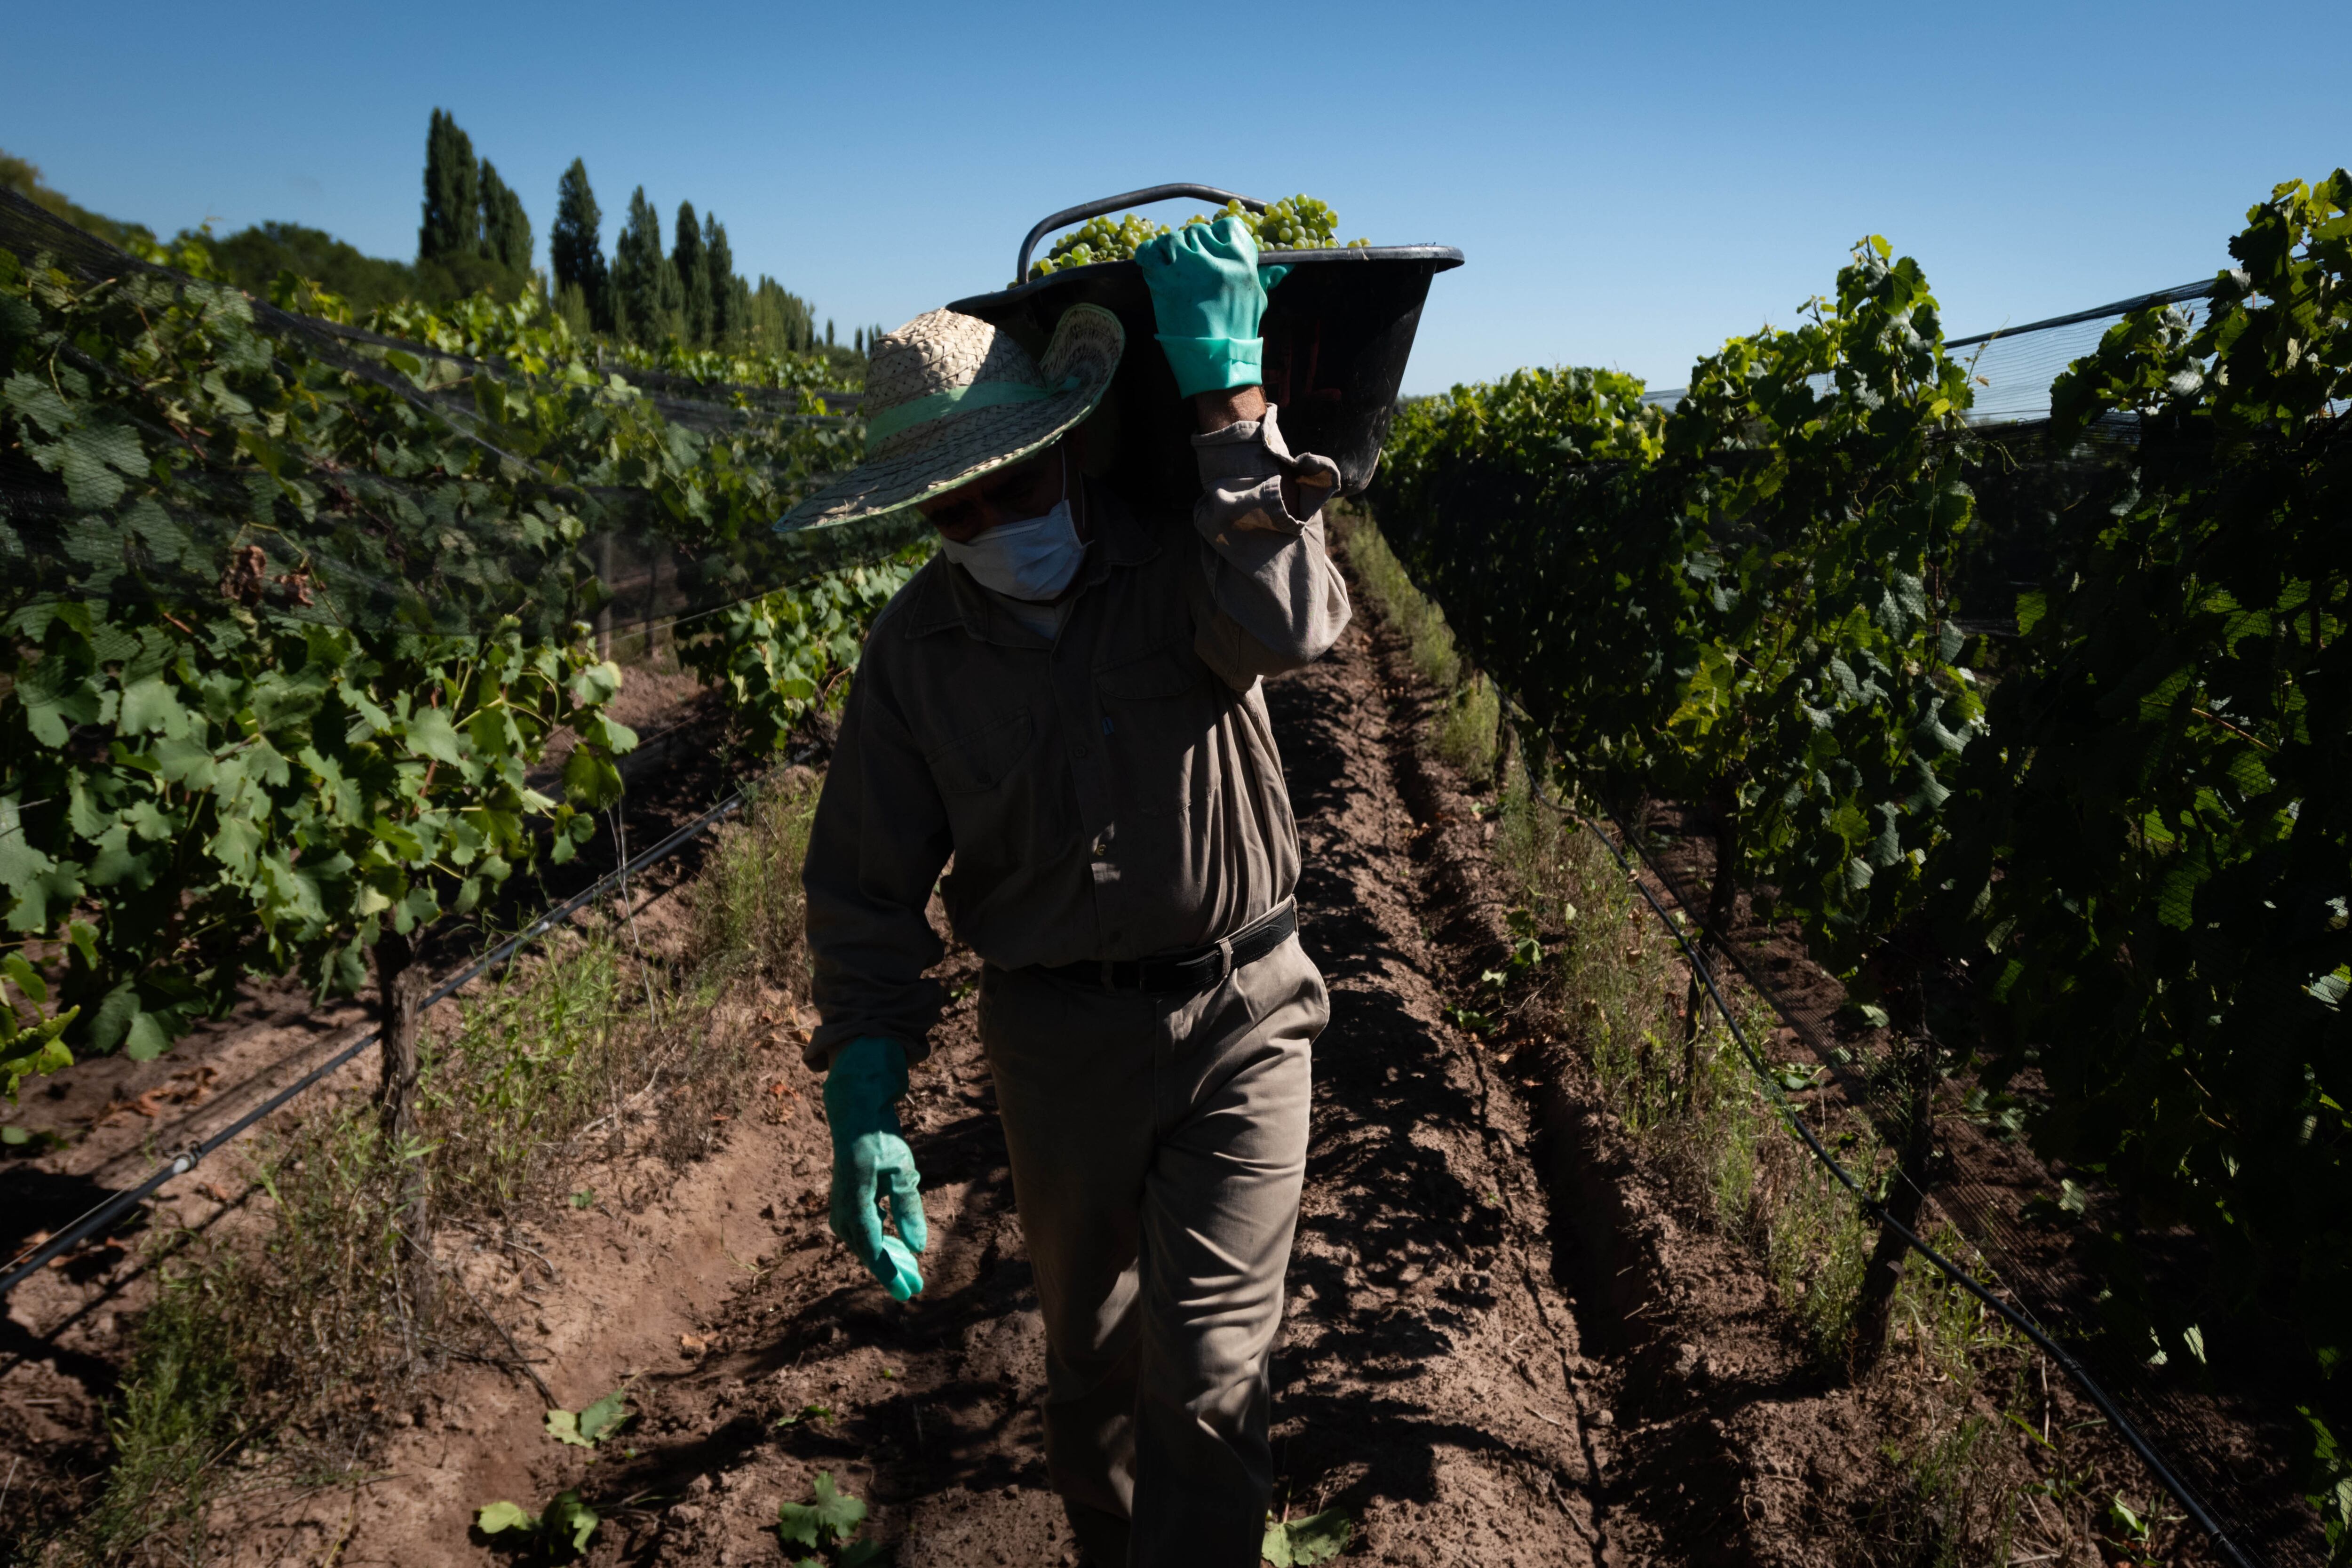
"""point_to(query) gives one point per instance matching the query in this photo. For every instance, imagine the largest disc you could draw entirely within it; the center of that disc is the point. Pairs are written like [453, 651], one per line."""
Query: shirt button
[1079, 752]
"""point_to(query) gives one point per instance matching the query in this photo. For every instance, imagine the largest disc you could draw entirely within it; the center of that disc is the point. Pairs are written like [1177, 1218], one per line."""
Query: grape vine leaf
[834, 1516]
[568, 1513]
[1317, 1538]
[492, 1519]
[605, 1416]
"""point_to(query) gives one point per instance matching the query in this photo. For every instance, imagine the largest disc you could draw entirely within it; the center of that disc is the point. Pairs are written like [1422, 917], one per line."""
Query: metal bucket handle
[1085, 210]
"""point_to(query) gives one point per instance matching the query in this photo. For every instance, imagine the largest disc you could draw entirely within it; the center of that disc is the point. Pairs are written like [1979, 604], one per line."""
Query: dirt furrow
[1427, 1381]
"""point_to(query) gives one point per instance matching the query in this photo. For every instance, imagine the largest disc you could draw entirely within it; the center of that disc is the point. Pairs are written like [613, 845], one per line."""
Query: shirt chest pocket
[1160, 716]
[983, 757]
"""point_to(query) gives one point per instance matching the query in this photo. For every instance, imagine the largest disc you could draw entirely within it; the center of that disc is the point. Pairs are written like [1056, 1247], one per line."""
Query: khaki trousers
[1158, 1143]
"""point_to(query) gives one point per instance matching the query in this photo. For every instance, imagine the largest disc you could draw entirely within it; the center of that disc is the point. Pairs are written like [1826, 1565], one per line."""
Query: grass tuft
[280, 1355]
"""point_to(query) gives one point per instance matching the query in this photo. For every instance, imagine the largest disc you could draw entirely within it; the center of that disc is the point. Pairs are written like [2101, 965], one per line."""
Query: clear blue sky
[1632, 183]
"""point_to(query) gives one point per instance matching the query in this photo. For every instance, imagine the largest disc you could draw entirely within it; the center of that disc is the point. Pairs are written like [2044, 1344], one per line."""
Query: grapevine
[1742, 601]
[776, 658]
[279, 689]
[2165, 799]
[1747, 603]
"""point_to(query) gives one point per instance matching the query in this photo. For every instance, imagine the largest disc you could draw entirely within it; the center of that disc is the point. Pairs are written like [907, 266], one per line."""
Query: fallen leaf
[605, 1417]
[1305, 1542]
[834, 1516]
[568, 1513]
[493, 1518]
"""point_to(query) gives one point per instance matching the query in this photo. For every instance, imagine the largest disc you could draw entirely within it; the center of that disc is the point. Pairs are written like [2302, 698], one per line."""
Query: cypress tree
[727, 291]
[776, 319]
[649, 302]
[571, 304]
[828, 331]
[635, 289]
[505, 227]
[453, 199]
[687, 258]
[575, 251]
[739, 308]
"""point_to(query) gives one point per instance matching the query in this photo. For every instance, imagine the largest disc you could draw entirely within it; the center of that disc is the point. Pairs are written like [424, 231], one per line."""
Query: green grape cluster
[1295, 223]
[1100, 239]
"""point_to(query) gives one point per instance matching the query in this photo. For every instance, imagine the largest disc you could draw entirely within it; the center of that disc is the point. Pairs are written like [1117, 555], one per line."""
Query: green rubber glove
[1207, 297]
[871, 1160]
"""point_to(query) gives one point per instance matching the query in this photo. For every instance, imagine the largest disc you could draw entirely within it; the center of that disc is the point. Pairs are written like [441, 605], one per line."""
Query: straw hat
[949, 398]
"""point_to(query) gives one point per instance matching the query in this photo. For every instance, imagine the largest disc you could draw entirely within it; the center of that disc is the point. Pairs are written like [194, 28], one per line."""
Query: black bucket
[1337, 331]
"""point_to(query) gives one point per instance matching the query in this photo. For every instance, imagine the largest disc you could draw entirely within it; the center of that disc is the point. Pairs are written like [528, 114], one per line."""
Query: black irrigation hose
[2182, 1493]
[188, 1159]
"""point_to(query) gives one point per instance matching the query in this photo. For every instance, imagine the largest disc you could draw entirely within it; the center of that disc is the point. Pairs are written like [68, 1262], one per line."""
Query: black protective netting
[185, 442]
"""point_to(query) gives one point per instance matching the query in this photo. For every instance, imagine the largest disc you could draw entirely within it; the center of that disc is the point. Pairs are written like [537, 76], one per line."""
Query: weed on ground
[279, 1357]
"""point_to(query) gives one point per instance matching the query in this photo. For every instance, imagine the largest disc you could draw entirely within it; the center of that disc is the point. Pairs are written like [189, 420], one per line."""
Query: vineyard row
[2119, 820]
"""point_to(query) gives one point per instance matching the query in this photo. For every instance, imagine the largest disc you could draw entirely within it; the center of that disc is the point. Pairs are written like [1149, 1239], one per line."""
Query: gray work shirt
[1109, 793]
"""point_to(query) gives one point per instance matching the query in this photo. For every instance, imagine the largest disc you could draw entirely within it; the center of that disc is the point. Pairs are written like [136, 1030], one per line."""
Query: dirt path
[1512, 1336]
[1424, 1381]
[1428, 1382]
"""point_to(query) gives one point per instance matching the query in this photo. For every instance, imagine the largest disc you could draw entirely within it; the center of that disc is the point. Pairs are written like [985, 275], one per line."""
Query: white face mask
[1032, 559]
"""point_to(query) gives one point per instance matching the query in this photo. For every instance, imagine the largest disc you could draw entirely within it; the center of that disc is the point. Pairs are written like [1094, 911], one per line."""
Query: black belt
[1193, 970]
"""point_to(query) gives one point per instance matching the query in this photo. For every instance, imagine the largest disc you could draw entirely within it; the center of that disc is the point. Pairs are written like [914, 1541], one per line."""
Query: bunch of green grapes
[1296, 223]
[1100, 239]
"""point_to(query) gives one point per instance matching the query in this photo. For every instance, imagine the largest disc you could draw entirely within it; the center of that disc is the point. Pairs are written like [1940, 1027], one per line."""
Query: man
[1067, 703]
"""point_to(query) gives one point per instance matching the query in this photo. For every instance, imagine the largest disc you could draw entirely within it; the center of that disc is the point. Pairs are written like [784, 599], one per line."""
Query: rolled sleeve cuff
[908, 1020]
[1241, 470]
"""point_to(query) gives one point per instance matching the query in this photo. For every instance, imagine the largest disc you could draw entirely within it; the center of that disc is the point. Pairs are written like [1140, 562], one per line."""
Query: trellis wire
[2179, 1489]
[188, 1159]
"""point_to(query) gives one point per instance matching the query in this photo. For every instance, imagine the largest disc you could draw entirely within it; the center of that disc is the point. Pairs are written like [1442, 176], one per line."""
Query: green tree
[690, 260]
[453, 193]
[575, 248]
[650, 302]
[505, 227]
[774, 319]
[25, 179]
[730, 299]
[254, 258]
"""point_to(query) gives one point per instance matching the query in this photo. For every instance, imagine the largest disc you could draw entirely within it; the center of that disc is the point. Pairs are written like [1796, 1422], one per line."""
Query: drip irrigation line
[2182, 1493]
[188, 1159]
